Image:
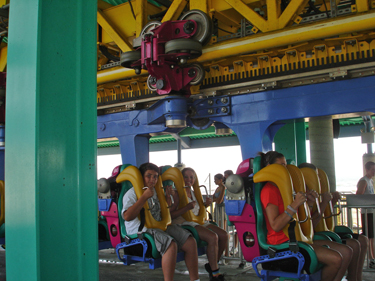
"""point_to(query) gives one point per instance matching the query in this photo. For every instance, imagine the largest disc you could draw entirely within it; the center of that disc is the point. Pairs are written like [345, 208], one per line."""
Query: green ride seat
[170, 175]
[281, 177]
[125, 186]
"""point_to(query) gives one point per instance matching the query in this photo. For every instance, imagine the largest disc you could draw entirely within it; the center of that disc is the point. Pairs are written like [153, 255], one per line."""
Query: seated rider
[358, 245]
[278, 216]
[167, 242]
[215, 237]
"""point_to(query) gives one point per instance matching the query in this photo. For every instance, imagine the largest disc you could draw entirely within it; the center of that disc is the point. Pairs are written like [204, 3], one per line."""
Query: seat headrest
[245, 168]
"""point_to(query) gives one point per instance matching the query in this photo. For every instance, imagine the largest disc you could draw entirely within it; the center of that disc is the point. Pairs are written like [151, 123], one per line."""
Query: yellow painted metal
[3, 2]
[3, 58]
[273, 13]
[199, 5]
[123, 21]
[362, 5]
[249, 14]
[116, 73]
[236, 49]
[292, 11]
[102, 5]
[275, 19]
[289, 36]
[175, 10]
[141, 15]
[105, 23]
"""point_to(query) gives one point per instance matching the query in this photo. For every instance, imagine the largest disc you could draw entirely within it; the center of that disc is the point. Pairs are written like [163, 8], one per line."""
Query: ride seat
[312, 182]
[171, 175]
[131, 177]
[281, 177]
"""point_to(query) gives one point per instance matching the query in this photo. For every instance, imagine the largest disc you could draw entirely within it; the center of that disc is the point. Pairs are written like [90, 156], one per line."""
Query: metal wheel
[205, 26]
[128, 58]
[200, 74]
[151, 83]
[194, 48]
[149, 26]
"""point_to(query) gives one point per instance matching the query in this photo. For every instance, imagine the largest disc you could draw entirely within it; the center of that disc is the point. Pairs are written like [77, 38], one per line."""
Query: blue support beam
[255, 117]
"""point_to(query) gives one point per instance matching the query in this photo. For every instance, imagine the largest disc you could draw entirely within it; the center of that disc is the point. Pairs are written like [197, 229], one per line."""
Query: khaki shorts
[164, 238]
[179, 234]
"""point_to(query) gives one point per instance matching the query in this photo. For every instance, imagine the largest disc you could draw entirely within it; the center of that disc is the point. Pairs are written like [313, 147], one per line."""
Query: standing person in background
[365, 185]
[219, 213]
[227, 173]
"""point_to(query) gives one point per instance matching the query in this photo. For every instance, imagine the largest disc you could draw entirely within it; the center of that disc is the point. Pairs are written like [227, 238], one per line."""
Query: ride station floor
[111, 269]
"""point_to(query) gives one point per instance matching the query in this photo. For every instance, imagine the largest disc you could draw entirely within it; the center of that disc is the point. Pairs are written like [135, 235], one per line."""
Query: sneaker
[218, 278]
[372, 264]
[208, 269]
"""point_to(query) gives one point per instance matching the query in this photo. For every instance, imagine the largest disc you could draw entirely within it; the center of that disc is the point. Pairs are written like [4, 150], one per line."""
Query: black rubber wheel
[205, 25]
[200, 74]
[149, 26]
[194, 48]
[128, 58]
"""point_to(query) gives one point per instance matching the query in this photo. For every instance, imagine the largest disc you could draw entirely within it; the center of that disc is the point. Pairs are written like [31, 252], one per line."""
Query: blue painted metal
[152, 263]
[255, 117]
[234, 207]
[104, 204]
[132, 128]
[105, 245]
[267, 275]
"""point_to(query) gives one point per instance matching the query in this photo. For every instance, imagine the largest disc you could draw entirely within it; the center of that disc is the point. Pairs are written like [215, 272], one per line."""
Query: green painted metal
[301, 141]
[50, 162]
[285, 141]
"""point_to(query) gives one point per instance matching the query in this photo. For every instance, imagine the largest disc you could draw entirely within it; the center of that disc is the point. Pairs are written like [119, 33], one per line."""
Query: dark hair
[228, 172]
[307, 165]
[369, 164]
[148, 166]
[269, 158]
[219, 176]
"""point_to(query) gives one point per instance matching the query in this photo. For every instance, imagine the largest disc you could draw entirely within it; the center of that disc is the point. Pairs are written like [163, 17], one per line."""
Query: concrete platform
[110, 269]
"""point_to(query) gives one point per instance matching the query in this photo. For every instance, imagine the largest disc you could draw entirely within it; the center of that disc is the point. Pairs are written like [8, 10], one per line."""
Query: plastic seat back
[280, 176]
[133, 175]
[324, 186]
[312, 182]
[125, 186]
[303, 211]
[176, 176]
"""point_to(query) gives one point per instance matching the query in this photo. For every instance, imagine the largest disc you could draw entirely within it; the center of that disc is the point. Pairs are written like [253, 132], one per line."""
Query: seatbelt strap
[293, 244]
[143, 219]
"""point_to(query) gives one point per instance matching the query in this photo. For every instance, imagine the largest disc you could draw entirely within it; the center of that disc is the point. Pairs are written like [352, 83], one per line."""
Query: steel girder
[255, 118]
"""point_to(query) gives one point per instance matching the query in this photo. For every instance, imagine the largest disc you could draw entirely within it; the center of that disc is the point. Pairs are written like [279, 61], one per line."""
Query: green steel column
[290, 140]
[50, 162]
[285, 141]
[301, 141]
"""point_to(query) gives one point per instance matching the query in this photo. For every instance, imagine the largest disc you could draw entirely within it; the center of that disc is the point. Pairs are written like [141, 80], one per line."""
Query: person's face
[217, 181]
[226, 175]
[281, 161]
[150, 178]
[189, 178]
[371, 172]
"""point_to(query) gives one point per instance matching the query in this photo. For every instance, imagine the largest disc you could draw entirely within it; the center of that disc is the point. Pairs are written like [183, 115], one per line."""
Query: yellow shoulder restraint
[133, 175]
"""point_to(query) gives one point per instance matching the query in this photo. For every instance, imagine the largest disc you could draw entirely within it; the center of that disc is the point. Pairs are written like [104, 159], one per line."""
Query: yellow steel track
[276, 38]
